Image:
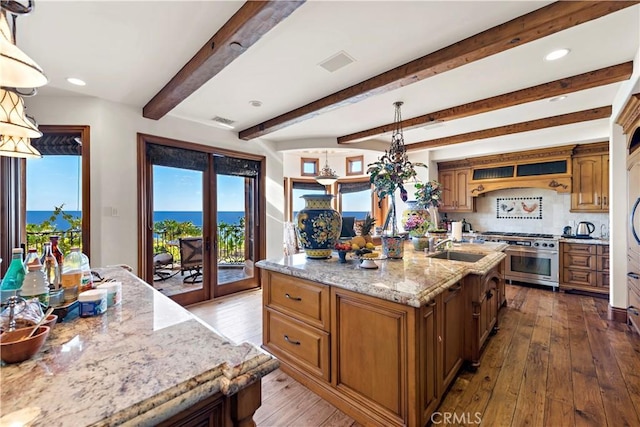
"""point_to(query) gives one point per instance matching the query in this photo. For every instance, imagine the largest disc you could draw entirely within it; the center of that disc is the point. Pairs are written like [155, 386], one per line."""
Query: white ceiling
[127, 51]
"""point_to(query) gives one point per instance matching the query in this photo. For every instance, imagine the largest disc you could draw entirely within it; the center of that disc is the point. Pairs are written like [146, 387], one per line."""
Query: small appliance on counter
[566, 232]
[584, 230]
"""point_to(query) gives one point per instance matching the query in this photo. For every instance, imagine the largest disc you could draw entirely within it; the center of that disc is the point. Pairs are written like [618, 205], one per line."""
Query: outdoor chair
[191, 259]
[163, 266]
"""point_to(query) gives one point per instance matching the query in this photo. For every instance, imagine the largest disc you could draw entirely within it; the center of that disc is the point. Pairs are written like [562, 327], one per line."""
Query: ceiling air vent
[337, 61]
[225, 123]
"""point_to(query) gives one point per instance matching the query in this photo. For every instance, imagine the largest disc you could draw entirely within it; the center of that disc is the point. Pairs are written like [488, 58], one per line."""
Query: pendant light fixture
[17, 70]
[326, 176]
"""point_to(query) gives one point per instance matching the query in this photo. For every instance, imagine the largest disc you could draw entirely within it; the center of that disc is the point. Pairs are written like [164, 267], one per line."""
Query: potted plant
[417, 226]
[387, 175]
[429, 196]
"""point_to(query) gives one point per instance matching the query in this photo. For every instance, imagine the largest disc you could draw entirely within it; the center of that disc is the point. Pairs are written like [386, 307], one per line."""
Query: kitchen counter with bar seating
[384, 344]
[146, 361]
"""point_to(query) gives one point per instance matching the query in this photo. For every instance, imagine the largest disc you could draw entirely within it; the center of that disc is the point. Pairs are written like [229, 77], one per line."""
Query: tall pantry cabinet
[630, 121]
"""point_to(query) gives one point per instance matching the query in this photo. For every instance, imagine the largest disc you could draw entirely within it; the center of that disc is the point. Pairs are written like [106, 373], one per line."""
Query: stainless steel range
[531, 258]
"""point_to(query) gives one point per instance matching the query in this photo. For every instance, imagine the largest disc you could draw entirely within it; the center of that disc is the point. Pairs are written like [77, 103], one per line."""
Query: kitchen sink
[457, 256]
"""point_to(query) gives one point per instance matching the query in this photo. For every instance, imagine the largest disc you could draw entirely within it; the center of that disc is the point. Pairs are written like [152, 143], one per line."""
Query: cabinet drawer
[299, 298]
[579, 260]
[572, 276]
[633, 312]
[603, 249]
[299, 344]
[580, 248]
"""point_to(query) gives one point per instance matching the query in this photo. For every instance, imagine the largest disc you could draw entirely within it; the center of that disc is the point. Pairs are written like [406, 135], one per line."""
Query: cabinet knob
[633, 310]
[439, 338]
[633, 275]
[287, 296]
[289, 340]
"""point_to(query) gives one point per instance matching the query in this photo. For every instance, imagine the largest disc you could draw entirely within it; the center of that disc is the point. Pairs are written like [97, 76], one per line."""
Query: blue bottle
[14, 277]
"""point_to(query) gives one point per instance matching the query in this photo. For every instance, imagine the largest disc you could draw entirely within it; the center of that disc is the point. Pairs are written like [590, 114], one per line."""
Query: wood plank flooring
[556, 361]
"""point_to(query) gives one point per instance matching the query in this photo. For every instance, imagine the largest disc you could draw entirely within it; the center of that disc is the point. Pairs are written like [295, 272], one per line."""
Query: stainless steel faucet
[442, 242]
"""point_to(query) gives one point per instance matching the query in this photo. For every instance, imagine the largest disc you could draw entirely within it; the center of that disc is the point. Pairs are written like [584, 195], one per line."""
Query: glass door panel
[236, 235]
[178, 260]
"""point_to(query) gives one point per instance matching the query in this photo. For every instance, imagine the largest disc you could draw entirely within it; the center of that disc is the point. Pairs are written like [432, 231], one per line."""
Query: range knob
[544, 245]
[536, 244]
[551, 245]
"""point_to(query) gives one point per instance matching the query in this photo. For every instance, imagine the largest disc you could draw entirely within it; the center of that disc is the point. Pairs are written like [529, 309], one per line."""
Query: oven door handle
[526, 251]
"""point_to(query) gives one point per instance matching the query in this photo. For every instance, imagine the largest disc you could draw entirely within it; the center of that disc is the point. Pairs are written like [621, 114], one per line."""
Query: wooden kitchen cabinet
[482, 300]
[584, 267]
[388, 363]
[452, 332]
[590, 181]
[455, 194]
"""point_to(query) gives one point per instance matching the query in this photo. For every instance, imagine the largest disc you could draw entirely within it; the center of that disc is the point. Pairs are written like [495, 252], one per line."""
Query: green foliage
[38, 234]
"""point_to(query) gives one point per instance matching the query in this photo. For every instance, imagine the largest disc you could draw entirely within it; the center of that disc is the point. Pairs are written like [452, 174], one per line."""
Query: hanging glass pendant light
[16, 68]
[326, 176]
[13, 121]
[15, 146]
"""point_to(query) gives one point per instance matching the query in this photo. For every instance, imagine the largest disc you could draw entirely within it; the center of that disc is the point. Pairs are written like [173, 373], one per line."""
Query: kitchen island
[147, 361]
[383, 345]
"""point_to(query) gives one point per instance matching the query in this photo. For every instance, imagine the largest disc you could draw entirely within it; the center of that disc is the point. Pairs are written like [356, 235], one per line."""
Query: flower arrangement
[387, 175]
[416, 225]
[428, 194]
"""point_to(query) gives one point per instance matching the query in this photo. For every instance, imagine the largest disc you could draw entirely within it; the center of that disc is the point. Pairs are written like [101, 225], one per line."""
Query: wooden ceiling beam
[253, 20]
[564, 119]
[540, 23]
[601, 77]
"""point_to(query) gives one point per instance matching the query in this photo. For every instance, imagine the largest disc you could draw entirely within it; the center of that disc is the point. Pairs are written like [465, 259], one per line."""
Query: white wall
[114, 175]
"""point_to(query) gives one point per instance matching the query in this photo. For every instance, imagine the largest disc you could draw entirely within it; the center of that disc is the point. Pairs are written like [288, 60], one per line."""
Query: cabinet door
[452, 333]
[586, 194]
[604, 186]
[430, 369]
[369, 352]
[447, 179]
[633, 228]
[462, 200]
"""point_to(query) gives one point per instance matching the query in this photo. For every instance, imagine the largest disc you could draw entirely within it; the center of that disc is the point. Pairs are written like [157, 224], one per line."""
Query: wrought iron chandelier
[326, 176]
[18, 71]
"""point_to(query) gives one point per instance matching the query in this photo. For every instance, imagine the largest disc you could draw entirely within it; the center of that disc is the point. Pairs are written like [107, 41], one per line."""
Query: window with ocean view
[54, 191]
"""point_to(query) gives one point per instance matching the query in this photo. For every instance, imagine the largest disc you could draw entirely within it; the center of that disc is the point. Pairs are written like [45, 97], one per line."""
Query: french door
[200, 219]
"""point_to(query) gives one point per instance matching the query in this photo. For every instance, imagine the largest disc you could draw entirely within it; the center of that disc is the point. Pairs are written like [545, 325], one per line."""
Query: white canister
[114, 292]
[93, 302]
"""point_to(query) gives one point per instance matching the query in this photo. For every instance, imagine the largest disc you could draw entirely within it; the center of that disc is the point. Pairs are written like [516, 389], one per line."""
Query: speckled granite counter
[413, 280]
[595, 241]
[140, 363]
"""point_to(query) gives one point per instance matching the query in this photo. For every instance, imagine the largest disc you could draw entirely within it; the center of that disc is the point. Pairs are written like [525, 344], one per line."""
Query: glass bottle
[15, 273]
[57, 253]
[35, 284]
[72, 274]
[31, 258]
[51, 268]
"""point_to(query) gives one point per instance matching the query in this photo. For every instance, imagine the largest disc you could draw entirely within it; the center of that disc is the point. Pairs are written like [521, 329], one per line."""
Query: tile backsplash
[555, 214]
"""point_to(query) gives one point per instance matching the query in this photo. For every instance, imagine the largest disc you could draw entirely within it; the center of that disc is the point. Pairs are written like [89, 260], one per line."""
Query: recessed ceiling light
[255, 103]
[76, 81]
[557, 54]
[558, 98]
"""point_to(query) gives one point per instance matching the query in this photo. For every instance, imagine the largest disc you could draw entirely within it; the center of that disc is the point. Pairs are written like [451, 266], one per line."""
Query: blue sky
[53, 180]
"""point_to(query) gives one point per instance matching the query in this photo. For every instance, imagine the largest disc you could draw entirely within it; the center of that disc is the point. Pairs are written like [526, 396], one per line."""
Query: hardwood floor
[556, 361]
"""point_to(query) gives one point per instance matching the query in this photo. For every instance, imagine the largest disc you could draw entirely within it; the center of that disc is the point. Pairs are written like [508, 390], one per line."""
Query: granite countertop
[413, 280]
[594, 241]
[137, 364]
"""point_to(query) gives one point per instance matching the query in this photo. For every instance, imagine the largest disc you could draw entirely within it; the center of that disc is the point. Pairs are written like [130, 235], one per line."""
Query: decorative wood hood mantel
[549, 168]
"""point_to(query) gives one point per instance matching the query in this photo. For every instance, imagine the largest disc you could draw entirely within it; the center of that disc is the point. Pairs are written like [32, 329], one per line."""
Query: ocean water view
[229, 217]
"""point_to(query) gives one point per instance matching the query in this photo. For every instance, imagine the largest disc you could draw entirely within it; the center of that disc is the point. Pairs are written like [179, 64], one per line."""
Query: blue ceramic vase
[318, 225]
